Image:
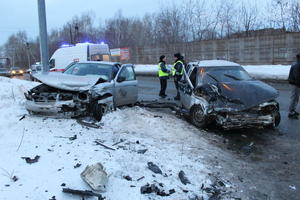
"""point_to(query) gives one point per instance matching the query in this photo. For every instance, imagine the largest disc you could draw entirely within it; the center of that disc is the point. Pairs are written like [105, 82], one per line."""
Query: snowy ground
[171, 143]
[274, 72]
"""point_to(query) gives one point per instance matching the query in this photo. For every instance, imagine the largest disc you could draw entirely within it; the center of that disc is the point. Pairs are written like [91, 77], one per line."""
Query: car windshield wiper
[211, 76]
[233, 77]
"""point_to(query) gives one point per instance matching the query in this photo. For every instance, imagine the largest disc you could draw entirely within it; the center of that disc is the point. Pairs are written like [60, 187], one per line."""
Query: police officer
[177, 71]
[294, 80]
[163, 74]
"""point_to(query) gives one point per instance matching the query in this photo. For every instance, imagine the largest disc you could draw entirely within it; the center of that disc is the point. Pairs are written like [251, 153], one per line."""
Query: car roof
[214, 63]
[101, 62]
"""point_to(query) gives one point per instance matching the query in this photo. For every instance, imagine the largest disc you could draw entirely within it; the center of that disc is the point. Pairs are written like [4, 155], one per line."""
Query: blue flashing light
[83, 43]
[65, 45]
[102, 43]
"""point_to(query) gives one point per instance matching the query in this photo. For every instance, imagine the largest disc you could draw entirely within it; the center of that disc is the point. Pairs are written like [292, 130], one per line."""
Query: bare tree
[169, 25]
[278, 14]
[295, 16]
[199, 21]
[248, 18]
[15, 48]
[226, 18]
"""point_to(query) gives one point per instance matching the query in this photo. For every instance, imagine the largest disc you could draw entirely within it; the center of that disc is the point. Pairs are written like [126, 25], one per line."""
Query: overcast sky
[17, 15]
[21, 15]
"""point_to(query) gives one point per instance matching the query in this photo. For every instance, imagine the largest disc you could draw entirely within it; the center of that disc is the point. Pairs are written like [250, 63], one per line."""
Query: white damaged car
[85, 88]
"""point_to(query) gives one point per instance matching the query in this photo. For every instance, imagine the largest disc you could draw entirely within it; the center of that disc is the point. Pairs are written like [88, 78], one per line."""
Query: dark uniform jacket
[294, 76]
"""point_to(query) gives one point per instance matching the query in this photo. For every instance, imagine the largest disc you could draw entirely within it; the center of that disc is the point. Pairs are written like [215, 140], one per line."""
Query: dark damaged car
[222, 92]
[84, 89]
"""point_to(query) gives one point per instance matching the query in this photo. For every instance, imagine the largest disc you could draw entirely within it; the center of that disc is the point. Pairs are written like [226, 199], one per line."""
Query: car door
[186, 87]
[126, 86]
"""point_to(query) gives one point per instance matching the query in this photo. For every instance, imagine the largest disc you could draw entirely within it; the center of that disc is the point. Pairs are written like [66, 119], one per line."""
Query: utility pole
[76, 33]
[43, 35]
[71, 35]
[28, 54]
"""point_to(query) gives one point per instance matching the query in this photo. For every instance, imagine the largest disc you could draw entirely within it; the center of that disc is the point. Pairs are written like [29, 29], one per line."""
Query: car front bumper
[244, 120]
[48, 107]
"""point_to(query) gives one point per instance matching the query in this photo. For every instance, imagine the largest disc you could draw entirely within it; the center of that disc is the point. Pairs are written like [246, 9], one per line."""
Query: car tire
[97, 111]
[198, 117]
[277, 119]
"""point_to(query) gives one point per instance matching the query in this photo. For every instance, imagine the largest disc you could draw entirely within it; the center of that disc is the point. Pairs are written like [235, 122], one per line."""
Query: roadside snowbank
[272, 72]
[172, 148]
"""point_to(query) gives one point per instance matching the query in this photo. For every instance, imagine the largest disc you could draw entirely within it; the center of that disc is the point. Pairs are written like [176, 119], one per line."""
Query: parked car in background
[85, 88]
[4, 72]
[14, 71]
[222, 92]
[35, 68]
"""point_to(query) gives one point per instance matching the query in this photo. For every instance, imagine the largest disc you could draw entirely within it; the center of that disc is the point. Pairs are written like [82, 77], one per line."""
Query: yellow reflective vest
[160, 72]
[174, 70]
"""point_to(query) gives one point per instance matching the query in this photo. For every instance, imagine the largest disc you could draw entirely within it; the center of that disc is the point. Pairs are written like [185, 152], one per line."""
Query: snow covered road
[171, 143]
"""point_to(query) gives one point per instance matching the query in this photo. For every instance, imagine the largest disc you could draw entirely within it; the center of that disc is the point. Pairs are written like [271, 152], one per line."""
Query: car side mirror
[121, 79]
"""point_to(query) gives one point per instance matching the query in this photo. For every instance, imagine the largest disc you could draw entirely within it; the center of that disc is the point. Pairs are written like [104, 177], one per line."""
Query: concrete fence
[267, 49]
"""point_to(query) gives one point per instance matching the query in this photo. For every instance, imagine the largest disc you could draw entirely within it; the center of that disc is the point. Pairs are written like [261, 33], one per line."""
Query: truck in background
[68, 54]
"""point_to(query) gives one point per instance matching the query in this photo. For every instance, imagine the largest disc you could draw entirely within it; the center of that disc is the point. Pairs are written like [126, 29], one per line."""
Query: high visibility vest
[174, 70]
[160, 72]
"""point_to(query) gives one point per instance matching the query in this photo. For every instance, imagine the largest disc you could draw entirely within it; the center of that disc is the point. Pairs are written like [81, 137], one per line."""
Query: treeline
[191, 20]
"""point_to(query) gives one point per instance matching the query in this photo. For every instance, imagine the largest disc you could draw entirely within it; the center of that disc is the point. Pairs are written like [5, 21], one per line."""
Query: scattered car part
[89, 123]
[154, 168]
[73, 138]
[153, 188]
[99, 143]
[77, 165]
[184, 180]
[95, 176]
[23, 117]
[142, 151]
[128, 178]
[31, 160]
[14, 178]
[121, 140]
[83, 193]
[140, 178]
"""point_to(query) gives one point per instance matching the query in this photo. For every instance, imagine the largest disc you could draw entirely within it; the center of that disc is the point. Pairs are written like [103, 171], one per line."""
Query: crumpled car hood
[246, 94]
[68, 82]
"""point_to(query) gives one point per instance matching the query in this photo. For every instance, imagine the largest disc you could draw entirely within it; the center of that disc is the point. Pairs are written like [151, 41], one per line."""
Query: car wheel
[97, 111]
[198, 117]
[277, 118]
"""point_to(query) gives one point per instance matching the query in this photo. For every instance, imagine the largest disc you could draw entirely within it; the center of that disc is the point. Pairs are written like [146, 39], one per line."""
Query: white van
[67, 54]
